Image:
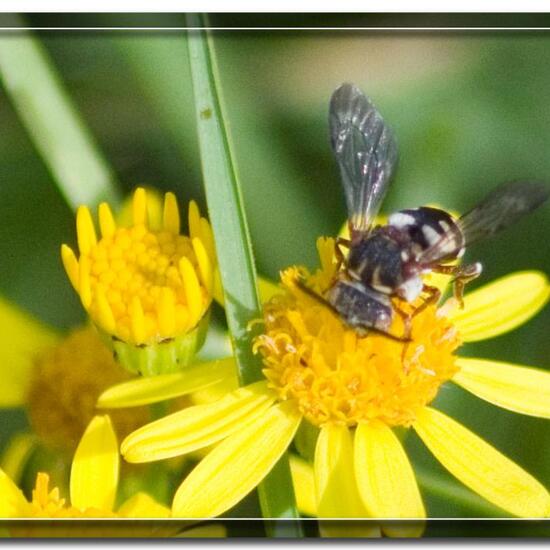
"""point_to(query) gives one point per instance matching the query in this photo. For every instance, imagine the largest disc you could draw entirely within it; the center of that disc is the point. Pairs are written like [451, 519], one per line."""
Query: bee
[388, 261]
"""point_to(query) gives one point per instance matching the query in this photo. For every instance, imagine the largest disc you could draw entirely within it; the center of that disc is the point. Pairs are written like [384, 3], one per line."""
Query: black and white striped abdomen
[428, 227]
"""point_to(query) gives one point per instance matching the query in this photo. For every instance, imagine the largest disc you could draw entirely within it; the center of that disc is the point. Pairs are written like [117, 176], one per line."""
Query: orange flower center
[334, 375]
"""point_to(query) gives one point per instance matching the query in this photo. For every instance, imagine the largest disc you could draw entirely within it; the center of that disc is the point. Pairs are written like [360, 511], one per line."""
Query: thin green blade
[234, 253]
[58, 132]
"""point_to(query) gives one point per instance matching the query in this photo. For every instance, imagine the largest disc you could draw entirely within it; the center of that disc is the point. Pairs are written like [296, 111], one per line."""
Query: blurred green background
[469, 110]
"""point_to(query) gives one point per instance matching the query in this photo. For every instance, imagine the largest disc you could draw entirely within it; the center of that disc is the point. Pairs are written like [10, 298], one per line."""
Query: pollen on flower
[139, 284]
[335, 375]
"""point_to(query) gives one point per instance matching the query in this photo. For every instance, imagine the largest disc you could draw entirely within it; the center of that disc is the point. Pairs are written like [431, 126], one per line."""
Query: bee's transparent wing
[366, 152]
[501, 208]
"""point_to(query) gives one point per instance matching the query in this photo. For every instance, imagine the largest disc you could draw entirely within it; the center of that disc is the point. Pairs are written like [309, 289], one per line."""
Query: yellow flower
[93, 485]
[57, 378]
[93, 490]
[148, 288]
[357, 390]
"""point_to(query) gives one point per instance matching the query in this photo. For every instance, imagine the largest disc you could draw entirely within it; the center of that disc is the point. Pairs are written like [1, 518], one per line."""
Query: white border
[293, 6]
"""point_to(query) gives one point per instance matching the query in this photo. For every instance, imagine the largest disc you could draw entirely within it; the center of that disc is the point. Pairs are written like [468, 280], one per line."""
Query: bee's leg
[462, 274]
[433, 295]
[402, 339]
[407, 322]
[407, 329]
[467, 274]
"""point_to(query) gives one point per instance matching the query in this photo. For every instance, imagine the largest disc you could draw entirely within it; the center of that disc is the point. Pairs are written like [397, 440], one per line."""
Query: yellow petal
[106, 319]
[70, 263]
[335, 486]
[385, 477]
[205, 267]
[481, 467]
[137, 320]
[193, 293]
[94, 471]
[217, 291]
[166, 311]
[143, 391]
[26, 337]
[141, 505]
[171, 214]
[229, 472]
[139, 207]
[85, 230]
[520, 389]
[501, 306]
[207, 238]
[336, 490]
[194, 220]
[107, 223]
[216, 391]
[198, 426]
[12, 502]
[267, 289]
[303, 481]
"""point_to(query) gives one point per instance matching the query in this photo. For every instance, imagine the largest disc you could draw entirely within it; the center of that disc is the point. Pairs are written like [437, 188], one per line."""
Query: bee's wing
[366, 152]
[501, 208]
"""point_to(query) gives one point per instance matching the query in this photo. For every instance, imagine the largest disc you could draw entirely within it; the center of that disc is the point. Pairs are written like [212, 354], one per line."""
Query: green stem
[234, 252]
[52, 121]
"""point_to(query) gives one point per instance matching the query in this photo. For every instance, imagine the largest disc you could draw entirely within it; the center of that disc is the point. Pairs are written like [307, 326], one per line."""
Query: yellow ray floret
[139, 284]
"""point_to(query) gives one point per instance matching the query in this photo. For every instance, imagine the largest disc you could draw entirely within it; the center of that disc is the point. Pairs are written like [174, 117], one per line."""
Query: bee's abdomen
[426, 227]
[360, 307]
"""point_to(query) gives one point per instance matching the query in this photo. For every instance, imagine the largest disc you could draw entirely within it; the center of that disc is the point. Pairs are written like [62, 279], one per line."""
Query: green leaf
[53, 122]
[234, 252]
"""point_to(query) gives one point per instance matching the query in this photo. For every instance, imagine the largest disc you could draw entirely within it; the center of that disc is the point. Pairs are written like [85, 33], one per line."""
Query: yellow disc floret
[47, 503]
[335, 375]
[140, 285]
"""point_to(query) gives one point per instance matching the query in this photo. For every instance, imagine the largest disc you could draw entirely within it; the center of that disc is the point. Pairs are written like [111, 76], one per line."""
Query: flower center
[65, 384]
[139, 284]
[335, 375]
[48, 504]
